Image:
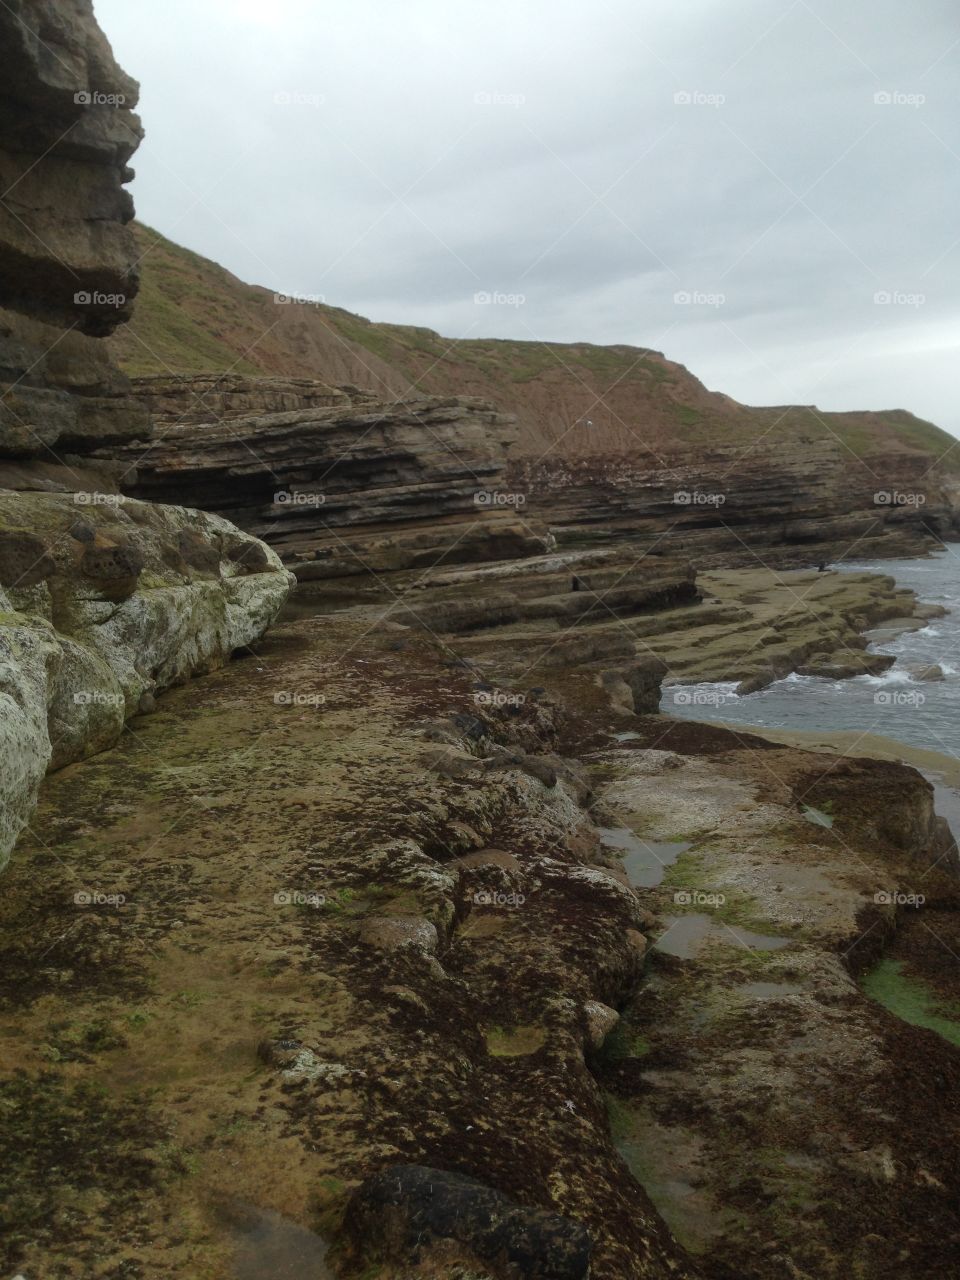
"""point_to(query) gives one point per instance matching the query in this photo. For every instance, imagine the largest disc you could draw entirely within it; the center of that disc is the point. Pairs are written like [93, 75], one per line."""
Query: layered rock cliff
[68, 261]
[798, 503]
[338, 481]
[342, 483]
[609, 441]
[571, 400]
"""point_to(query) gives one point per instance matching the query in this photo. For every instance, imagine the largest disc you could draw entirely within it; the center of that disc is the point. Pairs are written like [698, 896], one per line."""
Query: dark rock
[398, 1215]
[68, 262]
[753, 684]
[198, 553]
[644, 680]
[336, 481]
[470, 726]
[115, 570]
[24, 559]
[82, 532]
[249, 556]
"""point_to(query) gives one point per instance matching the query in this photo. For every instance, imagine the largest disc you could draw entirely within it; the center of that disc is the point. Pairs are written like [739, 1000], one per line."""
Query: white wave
[893, 676]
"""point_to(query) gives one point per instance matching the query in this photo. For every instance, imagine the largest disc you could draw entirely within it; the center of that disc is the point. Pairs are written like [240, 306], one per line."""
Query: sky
[764, 190]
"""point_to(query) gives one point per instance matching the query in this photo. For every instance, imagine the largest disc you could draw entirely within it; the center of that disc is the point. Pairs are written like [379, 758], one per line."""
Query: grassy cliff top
[192, 316]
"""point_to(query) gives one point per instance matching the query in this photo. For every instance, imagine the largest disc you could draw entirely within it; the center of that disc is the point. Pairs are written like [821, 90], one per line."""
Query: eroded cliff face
[789, 505]
[102, 601]
[340, 482]
[343, 482]
[68, 261]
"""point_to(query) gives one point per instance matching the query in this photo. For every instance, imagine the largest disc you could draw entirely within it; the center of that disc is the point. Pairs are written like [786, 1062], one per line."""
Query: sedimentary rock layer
[340, 483]
[578, 611]
[742, 505]
[68, 263]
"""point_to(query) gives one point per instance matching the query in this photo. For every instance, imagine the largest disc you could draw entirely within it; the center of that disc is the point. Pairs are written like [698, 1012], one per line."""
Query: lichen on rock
[89, 627]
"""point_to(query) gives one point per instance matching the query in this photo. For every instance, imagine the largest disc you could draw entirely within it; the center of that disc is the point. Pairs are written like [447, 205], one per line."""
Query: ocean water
[921, 713]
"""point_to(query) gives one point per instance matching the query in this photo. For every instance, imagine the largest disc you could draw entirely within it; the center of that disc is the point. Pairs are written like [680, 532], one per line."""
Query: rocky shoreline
[292, 974]
[366, 917]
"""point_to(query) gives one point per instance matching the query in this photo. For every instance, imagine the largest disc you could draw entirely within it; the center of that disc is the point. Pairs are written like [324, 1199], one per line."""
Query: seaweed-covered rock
[402, 1213]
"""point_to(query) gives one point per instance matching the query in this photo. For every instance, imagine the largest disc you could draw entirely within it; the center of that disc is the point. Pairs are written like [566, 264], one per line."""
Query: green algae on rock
[83, 645]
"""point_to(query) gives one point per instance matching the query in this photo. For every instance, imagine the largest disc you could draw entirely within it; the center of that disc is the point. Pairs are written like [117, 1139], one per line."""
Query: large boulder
[104, 601]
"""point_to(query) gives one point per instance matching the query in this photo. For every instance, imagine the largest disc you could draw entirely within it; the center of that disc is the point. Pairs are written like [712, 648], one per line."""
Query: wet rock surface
[282, 1060]
[207, 951]
[754, 1089]
[403, 1212]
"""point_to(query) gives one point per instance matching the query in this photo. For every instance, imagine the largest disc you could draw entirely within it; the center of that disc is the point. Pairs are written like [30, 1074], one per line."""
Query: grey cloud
[500, 124]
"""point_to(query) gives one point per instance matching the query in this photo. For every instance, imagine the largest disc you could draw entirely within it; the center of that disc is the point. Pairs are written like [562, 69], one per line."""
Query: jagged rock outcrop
[101, 605]
[339, 482]
[68, 272]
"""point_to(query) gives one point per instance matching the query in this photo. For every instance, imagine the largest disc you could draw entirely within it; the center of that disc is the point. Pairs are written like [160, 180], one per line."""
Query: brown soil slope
[193, 317]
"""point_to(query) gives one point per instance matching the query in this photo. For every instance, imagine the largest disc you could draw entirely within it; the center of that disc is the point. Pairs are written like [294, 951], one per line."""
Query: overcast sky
[790, 168]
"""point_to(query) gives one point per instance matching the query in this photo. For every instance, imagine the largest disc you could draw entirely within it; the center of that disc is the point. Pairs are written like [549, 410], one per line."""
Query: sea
[918, 712]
